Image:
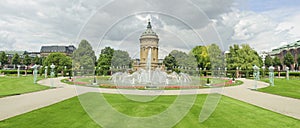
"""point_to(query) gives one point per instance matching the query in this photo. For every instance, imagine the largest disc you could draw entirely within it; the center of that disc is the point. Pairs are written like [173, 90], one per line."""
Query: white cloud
[261, 30]
[37, 23]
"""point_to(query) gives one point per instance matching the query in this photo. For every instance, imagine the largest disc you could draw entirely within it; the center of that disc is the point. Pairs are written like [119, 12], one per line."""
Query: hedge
[15, 71]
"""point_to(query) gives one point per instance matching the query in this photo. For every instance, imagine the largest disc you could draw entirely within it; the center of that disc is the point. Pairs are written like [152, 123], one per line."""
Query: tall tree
[215, 56]
[268, 61]
[184, 60]
[276, 61]
[244, 57]
[298, 61]
[60, 60]
[120, 58]
[104, 61]
[16, 59]
[233, 59]
[288, 59]
[170, 62]
[3, 58]
[27, 60]
[84, 56]
[201, 55]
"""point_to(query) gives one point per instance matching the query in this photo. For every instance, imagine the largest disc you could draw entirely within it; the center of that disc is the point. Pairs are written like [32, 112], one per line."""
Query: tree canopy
[16, 59]
[276, 61]
[242, 56]
[60, 60]
[3, 58]
[84, 56]
[104, 61]
[27, 60]
[268, 61]
[170, 62]
[121, 58]
[202, 57]
[288, 59]
[216, 57]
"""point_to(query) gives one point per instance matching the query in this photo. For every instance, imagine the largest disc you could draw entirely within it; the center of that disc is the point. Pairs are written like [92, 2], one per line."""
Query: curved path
[16, 105]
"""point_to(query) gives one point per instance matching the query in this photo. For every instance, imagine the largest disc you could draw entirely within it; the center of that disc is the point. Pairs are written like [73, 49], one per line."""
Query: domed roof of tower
[149, 31]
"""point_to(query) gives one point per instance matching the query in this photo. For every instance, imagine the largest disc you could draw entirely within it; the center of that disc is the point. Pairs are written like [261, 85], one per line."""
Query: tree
[268, 61]
[60, 60]
[27, 60]
[215, 56]
[276, 61]
[84, 56]
[170, 62]
[120, 58]
[298, 61]
[288, 59]
[16, 59]
[183, 59]
[3, 58]
[201, 55]
[244, 57]
[104, 61]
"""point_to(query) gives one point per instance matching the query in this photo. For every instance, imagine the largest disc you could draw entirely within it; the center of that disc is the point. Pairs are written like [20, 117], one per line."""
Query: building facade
[148, 49]
[293, 48]
[46, 50]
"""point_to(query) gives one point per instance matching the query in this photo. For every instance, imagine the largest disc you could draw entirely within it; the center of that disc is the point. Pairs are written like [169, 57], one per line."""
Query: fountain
[150, 78]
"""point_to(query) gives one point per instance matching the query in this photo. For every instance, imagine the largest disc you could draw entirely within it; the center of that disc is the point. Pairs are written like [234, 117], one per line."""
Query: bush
[15, 71]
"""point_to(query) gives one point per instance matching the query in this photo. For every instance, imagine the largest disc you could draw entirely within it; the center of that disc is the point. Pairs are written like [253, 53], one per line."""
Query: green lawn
[229, 113]
[283, 87]
[15, 86]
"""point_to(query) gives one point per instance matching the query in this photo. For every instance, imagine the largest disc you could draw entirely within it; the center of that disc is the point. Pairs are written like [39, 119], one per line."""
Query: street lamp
[95, 81]
[237, 72]
[52, 66]
[256, 75]
[271, 75]
[287, 73]
[26, 70]
[46, 71]
[263, 68]
[19, 70]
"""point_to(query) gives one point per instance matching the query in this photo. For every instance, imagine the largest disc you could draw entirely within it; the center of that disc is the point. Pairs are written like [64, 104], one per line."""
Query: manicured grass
[15, 86]
[283, 87]
[229, 113]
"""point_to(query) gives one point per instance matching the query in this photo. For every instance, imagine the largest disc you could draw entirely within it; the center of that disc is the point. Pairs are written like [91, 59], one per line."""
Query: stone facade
[148, 40]
[67, 50]
[293, 48]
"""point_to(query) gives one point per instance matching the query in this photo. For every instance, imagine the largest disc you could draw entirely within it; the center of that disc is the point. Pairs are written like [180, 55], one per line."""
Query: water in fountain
[150, 78]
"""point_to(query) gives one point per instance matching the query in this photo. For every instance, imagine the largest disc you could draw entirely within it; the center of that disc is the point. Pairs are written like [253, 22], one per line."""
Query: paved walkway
[16, 105]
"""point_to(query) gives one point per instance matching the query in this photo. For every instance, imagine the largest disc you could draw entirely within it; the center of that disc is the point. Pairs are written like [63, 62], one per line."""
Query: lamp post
[219, 72]
[95, 81]
[26, 70]
[225, 72]
[52, 66]
[46, 71]
[255, 75]
[263, 56]
[34, 73]
[278, 71]
[263, 68]
[65, 72]
[271, 75]
[287, 73]
[19, 70]
[237, 72]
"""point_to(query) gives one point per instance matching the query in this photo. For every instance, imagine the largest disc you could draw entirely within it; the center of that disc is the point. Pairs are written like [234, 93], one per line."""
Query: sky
[180, 24]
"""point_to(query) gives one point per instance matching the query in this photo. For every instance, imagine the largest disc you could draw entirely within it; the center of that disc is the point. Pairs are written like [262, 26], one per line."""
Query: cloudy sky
[180, 24]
